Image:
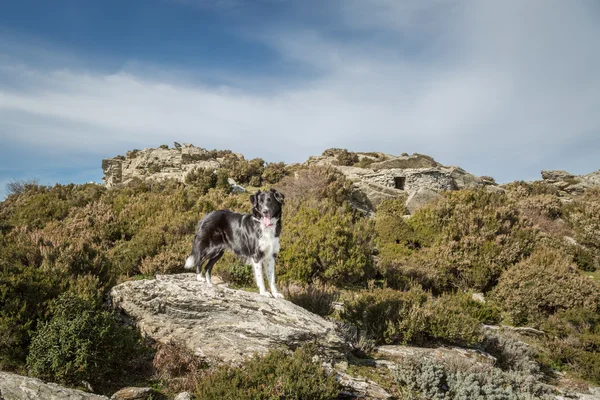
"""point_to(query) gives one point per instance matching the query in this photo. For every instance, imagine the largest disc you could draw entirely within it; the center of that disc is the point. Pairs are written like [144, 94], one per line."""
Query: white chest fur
[268, 243]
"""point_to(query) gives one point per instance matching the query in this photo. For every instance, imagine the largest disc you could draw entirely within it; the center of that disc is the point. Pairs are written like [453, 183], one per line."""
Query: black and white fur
[252, 237]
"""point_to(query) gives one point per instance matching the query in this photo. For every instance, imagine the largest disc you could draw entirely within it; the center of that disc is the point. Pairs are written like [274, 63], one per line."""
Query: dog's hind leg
[210, 265]
[270, 270]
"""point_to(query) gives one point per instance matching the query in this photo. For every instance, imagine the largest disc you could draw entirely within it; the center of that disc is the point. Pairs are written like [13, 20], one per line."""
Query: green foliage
[574, 342]
[274, 172]
[164, 146]
[414, 316]
[315, 184]
[317, 297]
[426, 378]
[82, 342]
[232, 270]
[544, 284]
[346, 158]
[203, 178]
[463, 242]
[242, 171]
[326, 242]
[277, 375]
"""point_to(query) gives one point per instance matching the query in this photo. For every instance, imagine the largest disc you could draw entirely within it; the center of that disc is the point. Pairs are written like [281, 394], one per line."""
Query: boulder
[218, 323]
[420, 199]
[569, 184]
[17, 387]
[134, 393]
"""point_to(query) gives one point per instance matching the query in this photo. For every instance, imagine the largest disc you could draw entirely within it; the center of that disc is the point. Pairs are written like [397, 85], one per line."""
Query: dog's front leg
[260, 280]
[270, 267]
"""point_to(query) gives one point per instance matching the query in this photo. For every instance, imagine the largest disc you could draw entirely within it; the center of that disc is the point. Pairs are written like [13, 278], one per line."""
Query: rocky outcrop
[218, 323]
[157, 164]
[376, 176]
[17, 387]
[569, 184]
[418, 178]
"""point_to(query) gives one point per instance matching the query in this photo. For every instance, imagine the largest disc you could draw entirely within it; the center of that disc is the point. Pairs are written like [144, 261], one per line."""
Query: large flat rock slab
[218, 323]
[17, 387]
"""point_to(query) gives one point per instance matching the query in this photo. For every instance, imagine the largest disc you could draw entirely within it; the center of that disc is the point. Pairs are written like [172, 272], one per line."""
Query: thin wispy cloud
[499, 88]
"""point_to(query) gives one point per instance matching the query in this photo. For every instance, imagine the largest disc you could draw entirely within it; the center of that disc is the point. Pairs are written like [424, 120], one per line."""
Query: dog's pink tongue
[267, 221]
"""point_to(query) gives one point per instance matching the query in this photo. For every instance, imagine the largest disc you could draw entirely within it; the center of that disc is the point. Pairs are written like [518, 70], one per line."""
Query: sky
[504, 88]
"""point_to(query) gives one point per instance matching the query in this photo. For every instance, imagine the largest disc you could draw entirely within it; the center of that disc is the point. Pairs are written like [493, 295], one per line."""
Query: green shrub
[464, 241]
[82, 342]
[574, 342]
[277, 375]
[346, 158]
[427, 378]
[274, 172]
[317, 297]
[243, 171]
[391, 316]
[326, 242]
[315, 184]
[233, 271]
[203, 178]
[544, 284]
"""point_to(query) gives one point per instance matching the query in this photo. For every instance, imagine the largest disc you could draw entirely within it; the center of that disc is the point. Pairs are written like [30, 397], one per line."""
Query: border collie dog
[252, 237]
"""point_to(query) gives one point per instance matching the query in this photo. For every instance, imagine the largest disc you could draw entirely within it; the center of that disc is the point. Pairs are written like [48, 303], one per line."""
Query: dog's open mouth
[267, 220]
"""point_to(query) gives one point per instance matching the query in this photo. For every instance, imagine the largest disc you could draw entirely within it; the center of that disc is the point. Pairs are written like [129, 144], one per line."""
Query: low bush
[274, 172]
[390, 316]
[83, 342]
[277, 375]
[178, 367]
[326, 242]
[346, 158]
[203, 178]
[543, 285]
[425, 378]
[317, 297]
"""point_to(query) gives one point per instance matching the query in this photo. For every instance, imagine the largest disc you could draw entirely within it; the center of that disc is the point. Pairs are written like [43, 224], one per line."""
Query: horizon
[504, 89]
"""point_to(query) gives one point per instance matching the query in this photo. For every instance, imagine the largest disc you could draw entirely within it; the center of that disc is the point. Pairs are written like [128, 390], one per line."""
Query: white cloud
[500, 88]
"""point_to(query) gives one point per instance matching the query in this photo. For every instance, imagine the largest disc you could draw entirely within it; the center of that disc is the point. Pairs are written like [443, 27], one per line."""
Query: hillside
[400, 257]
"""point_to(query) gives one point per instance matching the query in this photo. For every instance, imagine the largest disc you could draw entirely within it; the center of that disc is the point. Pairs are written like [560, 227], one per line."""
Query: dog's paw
[200, 278]
[277, 295]
[266, 294]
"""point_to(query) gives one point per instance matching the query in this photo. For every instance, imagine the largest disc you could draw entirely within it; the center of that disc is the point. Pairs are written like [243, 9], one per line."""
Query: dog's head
[267, 205]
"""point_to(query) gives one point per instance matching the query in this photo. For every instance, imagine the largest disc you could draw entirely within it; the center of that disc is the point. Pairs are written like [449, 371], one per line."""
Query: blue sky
[500, 88]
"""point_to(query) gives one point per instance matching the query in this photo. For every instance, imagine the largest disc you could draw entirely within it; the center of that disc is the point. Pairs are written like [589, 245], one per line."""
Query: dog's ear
[254, 199]
[278, 195]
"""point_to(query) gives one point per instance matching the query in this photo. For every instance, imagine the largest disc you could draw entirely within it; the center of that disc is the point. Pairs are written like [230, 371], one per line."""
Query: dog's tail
[190, 262]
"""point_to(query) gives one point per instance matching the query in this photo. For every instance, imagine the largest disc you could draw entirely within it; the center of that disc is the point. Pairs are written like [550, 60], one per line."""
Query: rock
[17, 387]
[218, 323]
[420, 199]
[157, 164]
[398, 352]
[235, 188]
[359, 387]
[569, 184]
[556, 175]
[478, 297]
[183, 396]
[393, 177]
[133, 393]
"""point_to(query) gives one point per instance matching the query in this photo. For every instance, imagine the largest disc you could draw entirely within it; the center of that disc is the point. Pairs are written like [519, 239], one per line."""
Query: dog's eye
[269, 200]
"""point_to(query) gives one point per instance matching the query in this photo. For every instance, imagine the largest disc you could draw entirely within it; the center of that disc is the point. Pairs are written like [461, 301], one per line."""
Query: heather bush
[463, 241]
[244, 171]
[82, 342]
[440, 379]
[315, 184]
[318, 298]
[277, 375]
[544, 284]
[274, 172]
[203, 178]
[326, 242]
[346, 158]
[234, 271]
[177, 366]
[574, 342]
[390, 316]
